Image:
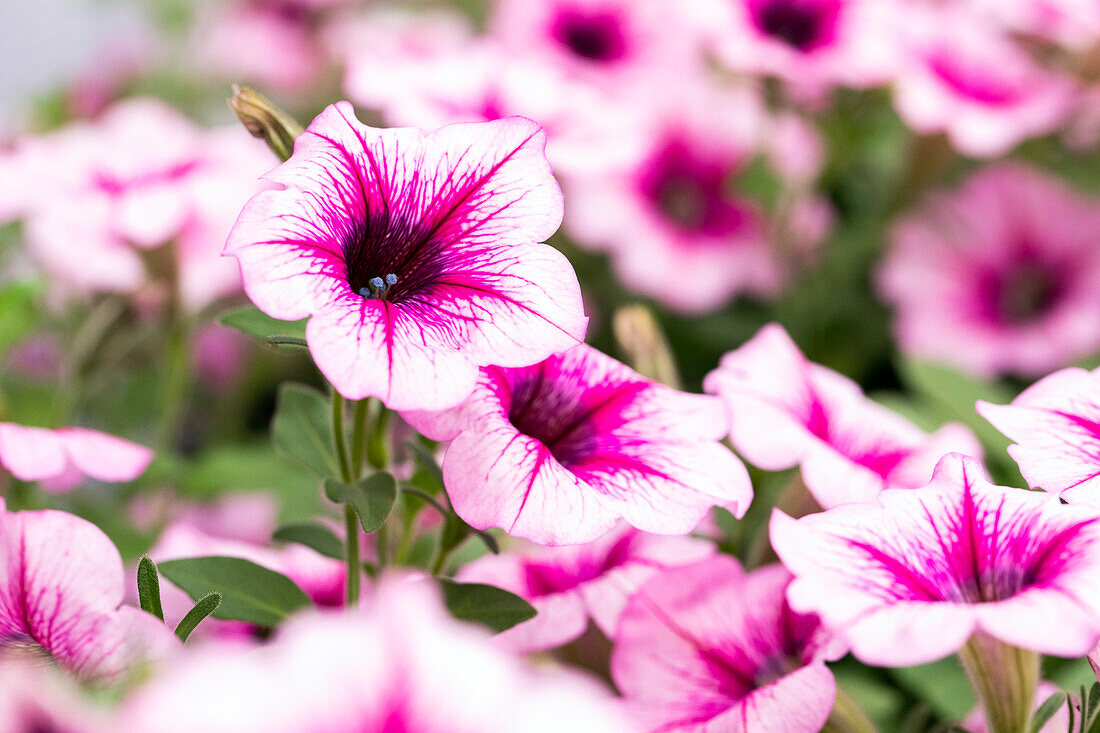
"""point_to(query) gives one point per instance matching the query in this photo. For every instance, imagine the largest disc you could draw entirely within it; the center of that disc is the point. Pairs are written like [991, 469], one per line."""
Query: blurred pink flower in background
[1001, 275]
[612, 44]
[1055, 424]
[557, 452]
[60, 459]
[428, 69]
[272, 43]
[418, 257]
[909, 578]
[96, 195]
[569, 585]
[400, 664]
[670, 217]
[61, 593]
[36, 697]
[219, 355]
[1075, 24]
[813, 45]
[965, 78]
[787, 411]
[710, 647]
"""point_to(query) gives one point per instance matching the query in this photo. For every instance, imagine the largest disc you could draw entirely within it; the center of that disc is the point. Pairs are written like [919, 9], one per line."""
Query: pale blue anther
[377, 287]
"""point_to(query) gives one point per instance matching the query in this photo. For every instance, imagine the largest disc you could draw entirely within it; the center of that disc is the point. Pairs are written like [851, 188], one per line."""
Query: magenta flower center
[973, 80]
[690, 191]
[803, 25]
[389, 257]
[1023, 293]
[596, 37]
[547, 578]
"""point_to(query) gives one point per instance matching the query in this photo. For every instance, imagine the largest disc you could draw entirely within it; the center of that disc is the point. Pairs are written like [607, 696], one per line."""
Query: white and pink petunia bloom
[36, 697]
[95, 195]
[710, 647]
[1001, 275]
[813, 45]
[61, 593]
[399, 664]
[417, 258]
[1055, 424]
[612, 44]
[910, 578]
[787, 411]
[570, 585]
[429, 70]
[60, 459]
[558, 452]
[670, 215]
[966, 78]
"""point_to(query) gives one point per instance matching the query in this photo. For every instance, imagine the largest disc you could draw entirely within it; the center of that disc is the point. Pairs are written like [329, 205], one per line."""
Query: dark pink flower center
[690, 190]
[592, 36]
[975, 80]
[390, 256]
[1022, 293]
[547, 578]
[573, 419]
[804, 25]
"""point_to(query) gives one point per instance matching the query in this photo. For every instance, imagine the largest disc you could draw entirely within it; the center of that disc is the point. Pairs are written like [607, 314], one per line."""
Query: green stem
[351, 523]
[847, 716]
[377, 451]
[1004, 678]
[382, 541]
[176, 378]
[341, 439]
[358, 444]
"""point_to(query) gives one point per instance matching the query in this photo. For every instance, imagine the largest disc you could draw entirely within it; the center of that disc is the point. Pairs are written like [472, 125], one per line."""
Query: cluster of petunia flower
[419, 261]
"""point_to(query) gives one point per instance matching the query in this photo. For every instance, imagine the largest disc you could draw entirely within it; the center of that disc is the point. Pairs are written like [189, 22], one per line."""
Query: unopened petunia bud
[644, 345]
[264, 120]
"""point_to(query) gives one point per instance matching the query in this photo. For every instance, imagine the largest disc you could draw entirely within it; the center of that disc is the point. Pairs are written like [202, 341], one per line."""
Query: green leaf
[148, 584]
[487, 605]
[943, 685]
[17, 311]
[425, 458]
[205, 606]
[250, 592]
[253, 322]
[301, 428]
[372, 497]
[1047, 710]
[313, 535]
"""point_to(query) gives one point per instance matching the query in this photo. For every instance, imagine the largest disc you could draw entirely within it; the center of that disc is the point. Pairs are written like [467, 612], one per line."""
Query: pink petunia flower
[35, 696]
[61, 590]
[61, 458]
[908, 579]
[557, 452]
[401, 664]
[788, 411]
[418, 258]
[709, 647]
[1055, 424]
[94, 196]
[670, 215]
[611, 44]
[569, 585]
[811, 44]
[969, 80]
[1002, 275]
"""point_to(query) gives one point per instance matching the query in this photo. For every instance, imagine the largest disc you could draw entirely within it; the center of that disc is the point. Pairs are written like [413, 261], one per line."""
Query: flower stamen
[377, 287]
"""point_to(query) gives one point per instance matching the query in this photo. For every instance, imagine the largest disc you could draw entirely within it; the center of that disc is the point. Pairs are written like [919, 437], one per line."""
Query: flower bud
[643, 344]
[264, 120]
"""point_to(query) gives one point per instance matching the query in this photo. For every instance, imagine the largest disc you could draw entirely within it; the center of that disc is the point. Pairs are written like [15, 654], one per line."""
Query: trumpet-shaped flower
[908, 579]
[709, 647]
[556, 453]
[417, 258]
[399, 665]
[1002, 275]
[787, 411]
[1055, 424]
[61, 458]
[61, 590]
[971, 81]
[569, 585]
